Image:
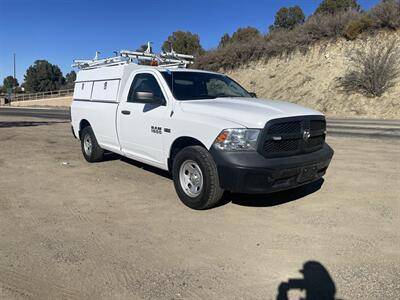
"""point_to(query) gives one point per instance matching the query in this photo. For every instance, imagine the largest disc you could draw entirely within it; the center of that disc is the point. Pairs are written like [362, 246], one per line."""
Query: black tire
[95, 154]
[211, 192]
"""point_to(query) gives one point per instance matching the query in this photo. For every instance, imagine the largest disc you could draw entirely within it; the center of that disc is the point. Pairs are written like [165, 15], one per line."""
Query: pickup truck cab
[203, 127]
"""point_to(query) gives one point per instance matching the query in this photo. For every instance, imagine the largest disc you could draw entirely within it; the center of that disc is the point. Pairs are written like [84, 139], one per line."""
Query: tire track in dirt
[124, 279]
[51, 241]
[99, 262]
[35, 288]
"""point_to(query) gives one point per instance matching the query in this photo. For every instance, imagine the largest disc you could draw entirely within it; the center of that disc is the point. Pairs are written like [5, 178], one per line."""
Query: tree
[143, 48]
[288, 18]
[334, 6]
[42, 76]
[70, 79]
[10, 82]
[225, 40]
[183, 42]
[243, 35]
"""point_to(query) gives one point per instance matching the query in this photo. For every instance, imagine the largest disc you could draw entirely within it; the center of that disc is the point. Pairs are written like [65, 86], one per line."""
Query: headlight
[237, 140]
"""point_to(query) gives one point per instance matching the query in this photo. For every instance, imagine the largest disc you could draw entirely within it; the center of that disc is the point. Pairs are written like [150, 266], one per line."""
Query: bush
[235, 52]
[335, 6]
[232, 55]
[356, 27]
[316, 28]
[387, 14]
[242, 35]
[373, 69]
[247, 44]
[320, 26]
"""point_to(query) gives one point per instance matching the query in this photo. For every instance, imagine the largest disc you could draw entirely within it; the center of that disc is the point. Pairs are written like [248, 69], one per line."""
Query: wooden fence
[42, 95]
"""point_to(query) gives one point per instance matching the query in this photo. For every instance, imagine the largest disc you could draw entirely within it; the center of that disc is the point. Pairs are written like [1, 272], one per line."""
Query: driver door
[140, 123]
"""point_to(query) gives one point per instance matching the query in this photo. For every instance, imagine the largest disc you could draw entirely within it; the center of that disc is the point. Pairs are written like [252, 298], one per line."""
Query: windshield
[198, 85]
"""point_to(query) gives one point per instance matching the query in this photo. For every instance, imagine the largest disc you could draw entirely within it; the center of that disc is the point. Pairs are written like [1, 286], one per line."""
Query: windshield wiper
[223, 96]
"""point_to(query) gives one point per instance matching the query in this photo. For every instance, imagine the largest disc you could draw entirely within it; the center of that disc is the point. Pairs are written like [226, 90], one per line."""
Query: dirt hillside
[310, 80]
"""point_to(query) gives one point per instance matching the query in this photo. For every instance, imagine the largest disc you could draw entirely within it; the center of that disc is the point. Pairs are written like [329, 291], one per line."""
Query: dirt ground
[116, 229]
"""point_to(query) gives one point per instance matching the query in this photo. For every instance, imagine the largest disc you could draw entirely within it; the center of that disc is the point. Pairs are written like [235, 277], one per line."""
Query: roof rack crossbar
[167, 59]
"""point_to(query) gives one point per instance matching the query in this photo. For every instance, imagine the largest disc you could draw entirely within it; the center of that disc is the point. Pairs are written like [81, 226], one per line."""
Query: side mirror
[146, 97]
[253, 95]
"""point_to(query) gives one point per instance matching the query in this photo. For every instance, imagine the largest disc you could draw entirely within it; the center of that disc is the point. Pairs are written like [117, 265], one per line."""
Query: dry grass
[373, 69]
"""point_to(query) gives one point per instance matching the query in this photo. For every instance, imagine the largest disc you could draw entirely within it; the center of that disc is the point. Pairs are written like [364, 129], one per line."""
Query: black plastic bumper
[250, 172]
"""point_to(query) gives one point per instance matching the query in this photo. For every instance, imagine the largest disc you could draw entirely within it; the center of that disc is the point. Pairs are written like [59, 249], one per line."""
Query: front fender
[202, 128]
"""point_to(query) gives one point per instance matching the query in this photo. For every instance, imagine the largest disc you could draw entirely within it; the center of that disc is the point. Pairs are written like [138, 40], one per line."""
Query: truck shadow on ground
[262, 200]
[28, 123]
[273, 199]
[159, 172]
[316, 284]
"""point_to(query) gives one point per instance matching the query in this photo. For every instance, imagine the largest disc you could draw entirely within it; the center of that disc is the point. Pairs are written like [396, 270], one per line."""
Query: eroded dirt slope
[311, 80]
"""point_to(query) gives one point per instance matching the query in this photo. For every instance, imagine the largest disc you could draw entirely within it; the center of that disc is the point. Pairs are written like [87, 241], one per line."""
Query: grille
[316, 125]
[285, 137]
[281, 146]
[315, 141]
[285, 128]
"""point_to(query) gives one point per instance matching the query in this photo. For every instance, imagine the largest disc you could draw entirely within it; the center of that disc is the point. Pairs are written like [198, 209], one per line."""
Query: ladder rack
[165, 59]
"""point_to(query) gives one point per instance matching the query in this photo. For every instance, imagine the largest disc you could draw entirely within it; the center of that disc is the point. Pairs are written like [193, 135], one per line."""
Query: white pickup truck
[203, 127]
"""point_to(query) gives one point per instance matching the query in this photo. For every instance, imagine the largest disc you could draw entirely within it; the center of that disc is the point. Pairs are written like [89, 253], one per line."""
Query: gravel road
[116, 229]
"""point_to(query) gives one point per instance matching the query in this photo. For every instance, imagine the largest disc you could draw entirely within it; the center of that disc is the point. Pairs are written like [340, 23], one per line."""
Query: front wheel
[196, 178]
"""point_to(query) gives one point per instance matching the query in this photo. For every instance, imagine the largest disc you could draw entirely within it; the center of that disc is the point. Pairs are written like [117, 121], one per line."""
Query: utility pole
[14, 68]
[15, 78]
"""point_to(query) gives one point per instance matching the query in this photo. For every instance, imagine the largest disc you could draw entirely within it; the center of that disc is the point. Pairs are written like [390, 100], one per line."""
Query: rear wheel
[91, 150]
[196, 178]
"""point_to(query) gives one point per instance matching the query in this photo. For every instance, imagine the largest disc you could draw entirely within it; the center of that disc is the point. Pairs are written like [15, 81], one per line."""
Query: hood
[248, 112]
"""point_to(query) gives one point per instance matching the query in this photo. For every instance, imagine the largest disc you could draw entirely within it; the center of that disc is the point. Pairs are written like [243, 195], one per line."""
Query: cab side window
[145, 83]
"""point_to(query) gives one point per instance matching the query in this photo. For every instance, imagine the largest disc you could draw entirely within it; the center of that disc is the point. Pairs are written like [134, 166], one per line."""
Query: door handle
[125, 112]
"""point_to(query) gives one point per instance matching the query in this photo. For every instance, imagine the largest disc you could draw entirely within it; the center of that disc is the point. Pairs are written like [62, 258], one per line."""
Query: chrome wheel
[191, 178]
[87, 144]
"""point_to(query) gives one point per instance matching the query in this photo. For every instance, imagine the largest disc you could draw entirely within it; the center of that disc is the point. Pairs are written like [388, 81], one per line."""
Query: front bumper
[250, 172]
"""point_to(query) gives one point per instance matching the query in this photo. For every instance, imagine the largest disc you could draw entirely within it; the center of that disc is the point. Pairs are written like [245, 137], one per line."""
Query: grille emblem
[306, 134]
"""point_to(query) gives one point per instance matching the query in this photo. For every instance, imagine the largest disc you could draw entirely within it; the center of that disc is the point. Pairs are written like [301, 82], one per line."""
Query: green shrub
[328, 26]
[237, 52]
[232, 55]
[242, 35]
[335, 6]
[373, 69]
[334, 20]
[356, 27]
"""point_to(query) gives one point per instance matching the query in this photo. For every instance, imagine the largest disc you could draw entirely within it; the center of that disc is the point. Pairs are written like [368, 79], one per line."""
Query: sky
[62, 30]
